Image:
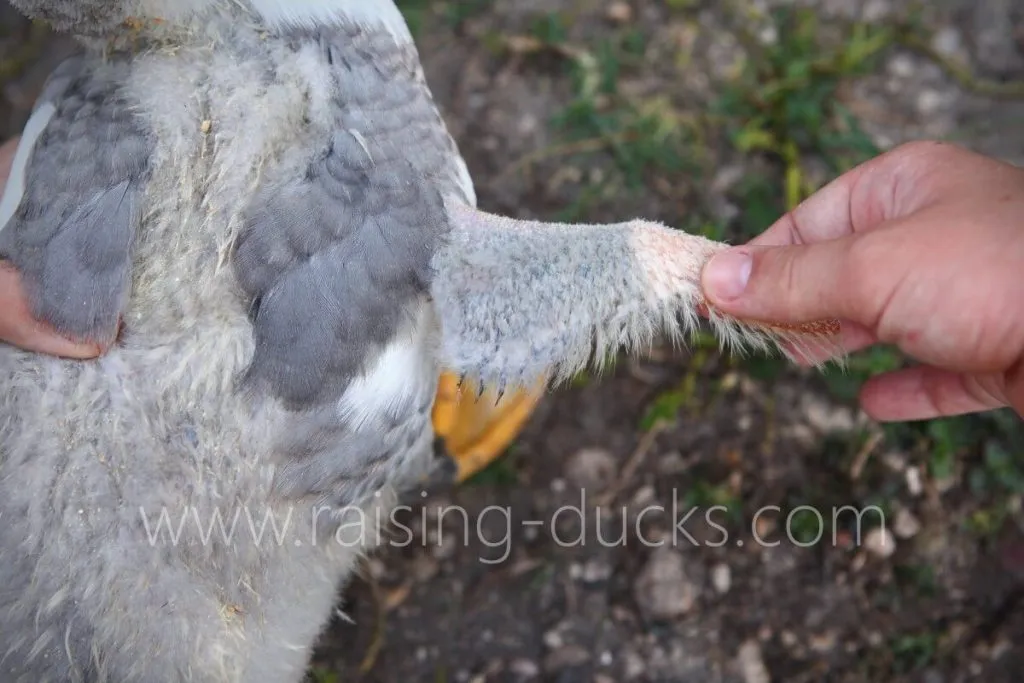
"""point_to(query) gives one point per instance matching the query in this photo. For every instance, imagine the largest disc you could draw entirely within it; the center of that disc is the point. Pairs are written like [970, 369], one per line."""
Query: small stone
[826, 417]
[524, 668]
[633, 665]
[901, 66]
[663, 590]
[751, 663]
[376, 568]
[789, 639]
[721, 578]
[672, 462]
[566, 657]
[929, 101]
[553, 640]
[595, 571]
[606, 658]
[895, 461]
[875, 10]
[591, 468]
[445, 546]
[906, 525]
[880, 543]
[424, 568]
[999, 648]
[947, 42]
[644, 495]
[764, 526]
[822, 643]
[913, 477]
[619, 12]
[723, 181]
[768, 35]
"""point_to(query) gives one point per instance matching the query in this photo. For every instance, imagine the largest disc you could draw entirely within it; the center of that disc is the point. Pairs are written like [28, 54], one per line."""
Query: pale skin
[921, 247]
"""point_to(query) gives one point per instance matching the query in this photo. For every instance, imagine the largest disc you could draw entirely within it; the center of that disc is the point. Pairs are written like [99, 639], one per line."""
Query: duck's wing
[72, 204]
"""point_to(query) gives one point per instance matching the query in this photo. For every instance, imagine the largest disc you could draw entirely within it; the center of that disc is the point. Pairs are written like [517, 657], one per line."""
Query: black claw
[441, 448]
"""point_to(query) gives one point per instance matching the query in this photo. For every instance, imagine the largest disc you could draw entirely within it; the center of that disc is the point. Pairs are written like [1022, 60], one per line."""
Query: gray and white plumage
[263, 193]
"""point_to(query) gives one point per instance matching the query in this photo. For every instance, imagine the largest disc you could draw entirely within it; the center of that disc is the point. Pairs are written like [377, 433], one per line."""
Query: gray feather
[72, 232]
[336, 257]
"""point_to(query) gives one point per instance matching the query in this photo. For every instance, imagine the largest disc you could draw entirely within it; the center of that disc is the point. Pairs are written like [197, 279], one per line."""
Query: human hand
[17, 326]
[921, 247]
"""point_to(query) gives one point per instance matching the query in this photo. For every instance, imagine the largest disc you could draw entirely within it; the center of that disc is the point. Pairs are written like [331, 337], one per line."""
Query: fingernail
[726, 274]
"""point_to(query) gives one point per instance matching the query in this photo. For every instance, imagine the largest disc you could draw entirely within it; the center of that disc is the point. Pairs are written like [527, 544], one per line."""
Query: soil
[517, 586]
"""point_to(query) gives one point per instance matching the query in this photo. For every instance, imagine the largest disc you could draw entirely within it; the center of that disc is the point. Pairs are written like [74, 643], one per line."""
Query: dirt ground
[524, 573]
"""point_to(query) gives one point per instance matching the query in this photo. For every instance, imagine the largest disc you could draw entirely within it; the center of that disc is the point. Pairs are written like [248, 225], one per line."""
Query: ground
[712, 117]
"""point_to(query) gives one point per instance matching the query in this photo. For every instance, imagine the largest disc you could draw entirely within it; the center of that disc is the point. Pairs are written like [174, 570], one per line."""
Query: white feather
[369, 13]
[399, 376]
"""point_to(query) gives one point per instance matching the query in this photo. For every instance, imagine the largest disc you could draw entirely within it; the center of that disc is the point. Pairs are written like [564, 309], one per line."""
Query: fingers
[18, 327]
[924, 392]
[889, 186]
[792, 284]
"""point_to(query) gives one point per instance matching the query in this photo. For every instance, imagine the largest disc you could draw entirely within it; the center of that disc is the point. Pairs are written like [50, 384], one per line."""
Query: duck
[255, 208]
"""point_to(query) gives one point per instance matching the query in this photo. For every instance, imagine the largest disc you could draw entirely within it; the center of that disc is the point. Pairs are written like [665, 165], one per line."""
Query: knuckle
[921, 151]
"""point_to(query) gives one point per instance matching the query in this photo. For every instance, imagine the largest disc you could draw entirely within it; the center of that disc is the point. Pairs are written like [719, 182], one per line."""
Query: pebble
[826, 417]
[633, 665]
[644, 496]
[566, 657]
[875, 10]
[822, 643]
[721, 578]
[445, 546]
[663, 590]
[591, 468]
[619, 12]
[424, 568]
[751, 663]
[947, 42]
[929, 101]
[524, 668]
[596, 571]
[906, 525]
[672, 462]
[913, 477]
[553, 640]
[901, 66]
[879, 542]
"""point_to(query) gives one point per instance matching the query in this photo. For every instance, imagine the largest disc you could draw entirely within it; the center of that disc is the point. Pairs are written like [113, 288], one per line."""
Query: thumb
[786, 284]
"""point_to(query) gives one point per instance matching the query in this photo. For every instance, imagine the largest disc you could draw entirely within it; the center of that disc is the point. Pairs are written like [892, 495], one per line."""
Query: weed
[785, 102]
[913, 652]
